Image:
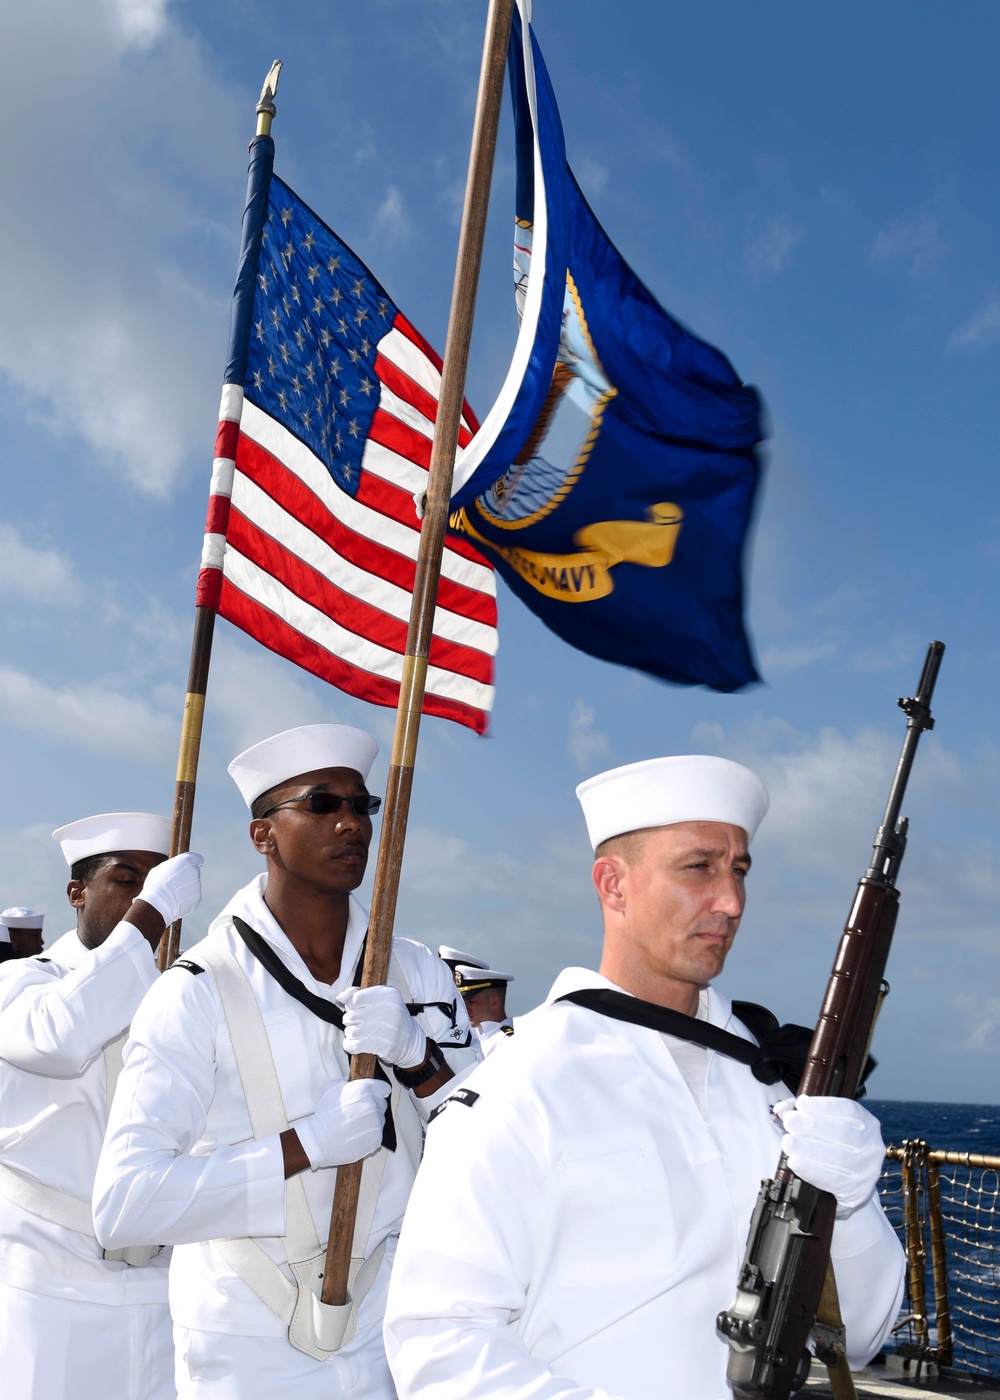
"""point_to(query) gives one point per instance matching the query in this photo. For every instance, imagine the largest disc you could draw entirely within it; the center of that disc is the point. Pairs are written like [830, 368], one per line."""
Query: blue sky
[812, 189]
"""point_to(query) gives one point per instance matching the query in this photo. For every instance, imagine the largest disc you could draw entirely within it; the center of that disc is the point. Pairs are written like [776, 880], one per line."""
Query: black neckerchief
[780, 1054]
[260, 949]
[325, 1010]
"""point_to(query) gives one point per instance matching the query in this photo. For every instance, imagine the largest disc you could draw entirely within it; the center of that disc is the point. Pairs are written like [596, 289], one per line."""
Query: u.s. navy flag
[622, 519]
[324, 438]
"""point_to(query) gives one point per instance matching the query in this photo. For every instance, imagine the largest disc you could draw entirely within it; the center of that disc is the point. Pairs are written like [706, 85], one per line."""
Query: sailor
[20, 933]
[235, 1107]
[75, 1320]
[454, 956]
[484, 991]
[583, 1204]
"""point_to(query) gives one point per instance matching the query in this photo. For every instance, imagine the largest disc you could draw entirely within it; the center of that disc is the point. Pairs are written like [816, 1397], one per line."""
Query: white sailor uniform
[579, 1220]
[71, 1321]
[181, 1159]
[490, 1034]
[477, 976]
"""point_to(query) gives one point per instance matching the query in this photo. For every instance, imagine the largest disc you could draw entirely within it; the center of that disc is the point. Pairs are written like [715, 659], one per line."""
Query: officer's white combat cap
[454, 956]
[113, 831]
[478, 977]
[662, 791]
[19, 917]
[302, 750]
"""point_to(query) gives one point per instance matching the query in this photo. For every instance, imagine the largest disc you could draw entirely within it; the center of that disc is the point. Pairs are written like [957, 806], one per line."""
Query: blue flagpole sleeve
[254, 219]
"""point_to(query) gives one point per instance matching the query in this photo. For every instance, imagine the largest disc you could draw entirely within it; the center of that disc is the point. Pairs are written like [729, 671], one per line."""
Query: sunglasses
[323, 804]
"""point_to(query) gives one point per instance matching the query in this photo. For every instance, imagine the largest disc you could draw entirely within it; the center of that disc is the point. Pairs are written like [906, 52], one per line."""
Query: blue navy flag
[613, 483]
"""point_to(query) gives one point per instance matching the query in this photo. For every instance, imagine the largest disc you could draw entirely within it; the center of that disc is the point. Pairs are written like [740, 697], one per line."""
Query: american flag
[312, 531]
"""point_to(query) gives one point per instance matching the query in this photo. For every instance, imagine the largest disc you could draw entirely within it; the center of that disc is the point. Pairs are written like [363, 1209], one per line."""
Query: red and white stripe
[324, 578]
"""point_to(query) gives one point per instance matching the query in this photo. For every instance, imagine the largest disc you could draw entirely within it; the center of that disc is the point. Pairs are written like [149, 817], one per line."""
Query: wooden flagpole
[425, 587]
[204, 617]
[187, 761]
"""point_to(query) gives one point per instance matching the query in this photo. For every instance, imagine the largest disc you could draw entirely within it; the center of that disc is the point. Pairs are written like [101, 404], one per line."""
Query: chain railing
[945, 1206]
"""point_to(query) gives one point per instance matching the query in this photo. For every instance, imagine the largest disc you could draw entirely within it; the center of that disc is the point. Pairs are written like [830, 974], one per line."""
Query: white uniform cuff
[426, 1106]
[859, 1231]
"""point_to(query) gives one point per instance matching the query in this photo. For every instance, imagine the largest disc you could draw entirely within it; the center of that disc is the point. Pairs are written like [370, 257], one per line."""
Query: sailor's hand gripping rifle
[788, 1248]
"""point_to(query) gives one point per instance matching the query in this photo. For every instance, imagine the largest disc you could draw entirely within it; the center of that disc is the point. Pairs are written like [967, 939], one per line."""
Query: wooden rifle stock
[788, 1247]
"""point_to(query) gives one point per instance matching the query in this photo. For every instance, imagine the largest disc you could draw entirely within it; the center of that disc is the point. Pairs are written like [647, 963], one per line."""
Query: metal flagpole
[255, 212]
[411, 691]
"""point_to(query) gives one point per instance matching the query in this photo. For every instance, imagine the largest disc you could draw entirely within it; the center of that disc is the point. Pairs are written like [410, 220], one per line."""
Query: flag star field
[319, 317]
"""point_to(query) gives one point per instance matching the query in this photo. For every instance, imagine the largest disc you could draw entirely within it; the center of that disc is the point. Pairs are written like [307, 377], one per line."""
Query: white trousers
[64, 1349]
[217, 1366]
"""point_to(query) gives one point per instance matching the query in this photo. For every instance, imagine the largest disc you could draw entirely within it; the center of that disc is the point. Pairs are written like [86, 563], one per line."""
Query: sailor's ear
[607, 877]
[262, 836]
[76, 893]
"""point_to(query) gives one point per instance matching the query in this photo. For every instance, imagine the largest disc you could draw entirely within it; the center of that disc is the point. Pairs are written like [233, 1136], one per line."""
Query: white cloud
[138, 23]
[585, 745]
[822, 790]
[93, 716]
[916, 242]
[894, 650]
[592, 176]
[106, 339]
[254, 693]
[39, 575]
[782, 659]
[981, 1016]
[828, 639]
[981, 329]
[391, 218]
[34, 874]
[529, 911]
[768, 251]
[828, 793]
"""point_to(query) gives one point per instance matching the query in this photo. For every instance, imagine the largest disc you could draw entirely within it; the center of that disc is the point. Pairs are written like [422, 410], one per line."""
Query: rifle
[788, 1248]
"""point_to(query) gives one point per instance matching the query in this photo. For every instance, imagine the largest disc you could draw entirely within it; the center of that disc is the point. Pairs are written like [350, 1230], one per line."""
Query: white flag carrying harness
[59, 1207]
[316, 1328]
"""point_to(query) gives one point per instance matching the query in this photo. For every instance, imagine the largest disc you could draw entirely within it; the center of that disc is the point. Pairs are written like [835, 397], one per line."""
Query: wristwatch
[413, 1078]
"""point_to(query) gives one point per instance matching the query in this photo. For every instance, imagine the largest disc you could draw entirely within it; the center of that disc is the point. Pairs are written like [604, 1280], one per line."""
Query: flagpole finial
[265, 106]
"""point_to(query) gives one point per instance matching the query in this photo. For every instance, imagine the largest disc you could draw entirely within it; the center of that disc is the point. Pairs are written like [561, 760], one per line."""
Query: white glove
[376, 1022]
[834, 1144]
[347, 1124]
[173, 887]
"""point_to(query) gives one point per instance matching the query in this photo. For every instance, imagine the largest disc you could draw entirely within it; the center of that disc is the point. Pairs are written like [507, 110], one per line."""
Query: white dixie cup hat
[263, 766]
[20, 917]
[663, 791]
[113, 831]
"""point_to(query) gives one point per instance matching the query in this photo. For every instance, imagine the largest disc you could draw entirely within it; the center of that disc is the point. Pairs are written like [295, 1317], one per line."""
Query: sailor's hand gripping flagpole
[204, 621]
[411, 691]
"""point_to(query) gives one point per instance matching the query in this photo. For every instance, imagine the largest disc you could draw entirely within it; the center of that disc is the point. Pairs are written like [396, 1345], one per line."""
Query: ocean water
[971, 1222]
[958, 1127]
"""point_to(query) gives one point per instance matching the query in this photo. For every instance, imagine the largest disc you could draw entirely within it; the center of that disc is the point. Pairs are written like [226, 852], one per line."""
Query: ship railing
[945, 1206]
